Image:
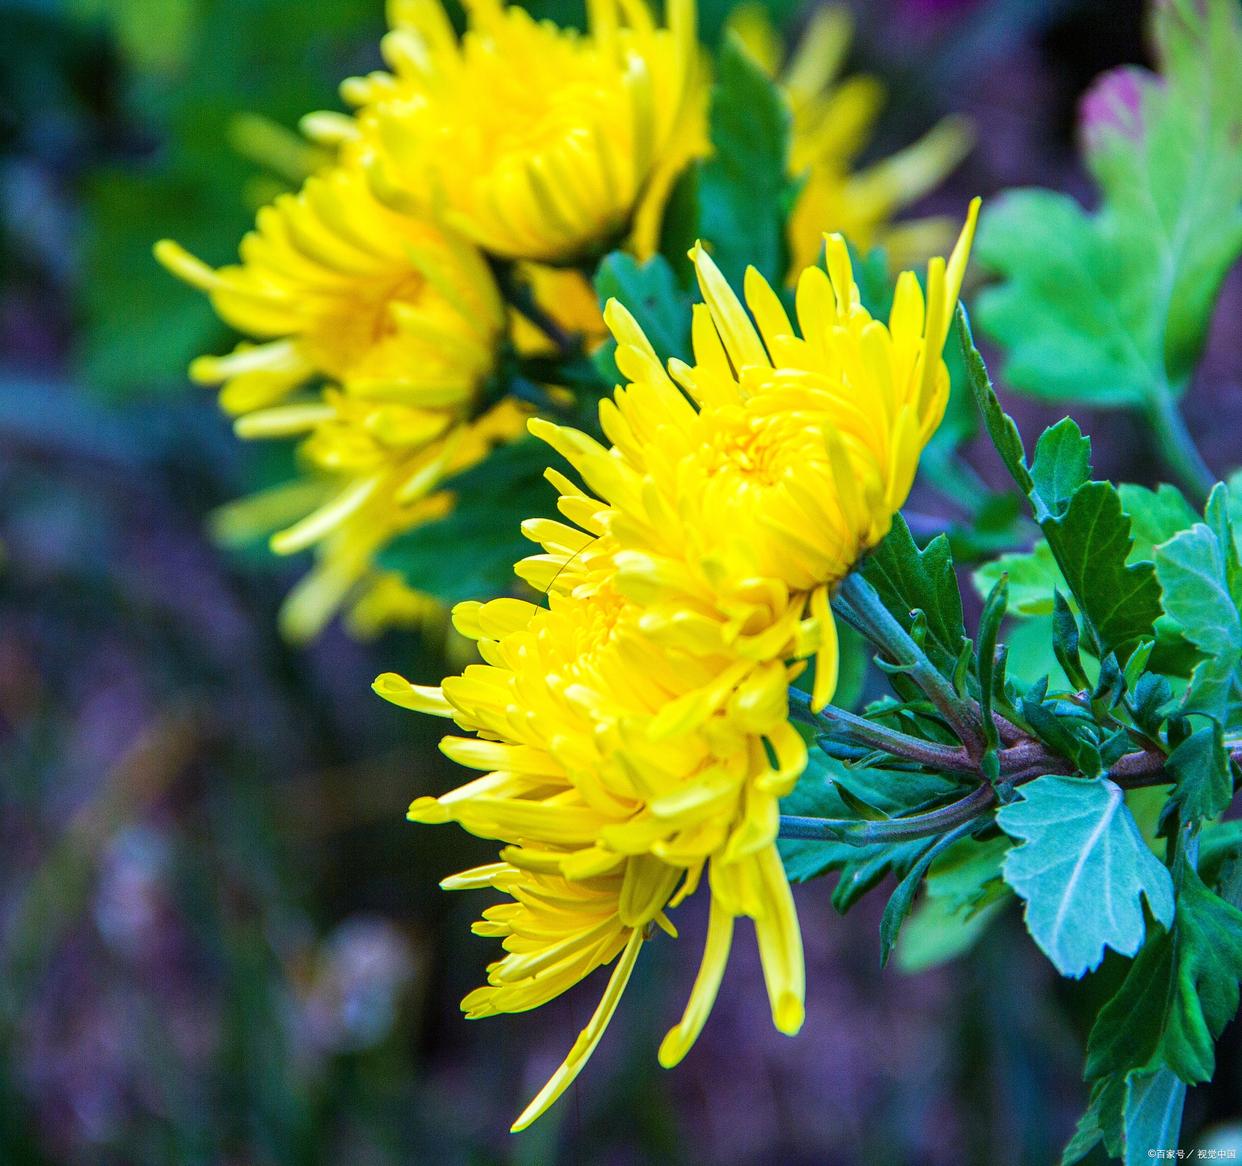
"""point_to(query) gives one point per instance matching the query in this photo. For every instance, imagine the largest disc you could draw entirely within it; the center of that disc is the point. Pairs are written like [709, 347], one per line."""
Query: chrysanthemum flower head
[403, 320]
[613, 816]
[535, 141]
[740, 488]
[334, 285]
[832, 122]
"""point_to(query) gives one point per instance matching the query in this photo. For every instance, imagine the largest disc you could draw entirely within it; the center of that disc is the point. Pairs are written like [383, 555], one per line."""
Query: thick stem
[863, 833]
[861, 606]
[1131, 771]
[836, 720]
[1177, 447]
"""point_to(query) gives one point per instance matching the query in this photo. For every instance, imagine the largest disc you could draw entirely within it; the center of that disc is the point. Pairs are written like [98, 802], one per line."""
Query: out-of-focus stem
[1177, 447]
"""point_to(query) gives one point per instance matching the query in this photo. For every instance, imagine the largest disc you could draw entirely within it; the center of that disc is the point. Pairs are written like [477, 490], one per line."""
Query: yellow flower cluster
[375, 317]
[831, 124]
[532, 140]
[633, 734]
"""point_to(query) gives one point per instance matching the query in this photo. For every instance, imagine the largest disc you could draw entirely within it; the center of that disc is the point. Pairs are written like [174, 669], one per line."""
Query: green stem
[863, 833]
[862, 607]
[832, 720]
[1177, 447]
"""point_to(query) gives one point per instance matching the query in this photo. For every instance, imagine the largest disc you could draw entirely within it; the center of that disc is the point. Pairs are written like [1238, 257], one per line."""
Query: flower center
[349, 328]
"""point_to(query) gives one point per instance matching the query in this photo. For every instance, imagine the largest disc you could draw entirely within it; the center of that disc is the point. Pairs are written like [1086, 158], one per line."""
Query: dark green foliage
[1203, 773]
[509, 481]
[909, 580]
[1091, 543]
[1199, 574]
[1181, 990]
[654, 297]
[743, 191]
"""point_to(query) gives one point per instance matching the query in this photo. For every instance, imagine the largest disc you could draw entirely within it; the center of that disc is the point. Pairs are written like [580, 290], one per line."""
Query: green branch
[1177, 447]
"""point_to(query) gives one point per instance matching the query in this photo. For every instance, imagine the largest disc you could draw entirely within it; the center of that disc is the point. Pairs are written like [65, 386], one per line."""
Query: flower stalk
[862, 608]
[865, 833]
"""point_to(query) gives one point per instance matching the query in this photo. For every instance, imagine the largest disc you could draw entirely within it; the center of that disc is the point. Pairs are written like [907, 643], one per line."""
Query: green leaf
[1033, 577]
[1132, 1115]
[909, 580]
[1091, 543]
[679, 227]
[1179, 994]
[967, 877]
[1111, 308]
[1155, 516]
[1082, 869]
[1065, 641]
[819, 794]
[989, 665]
[1153, 1113]
[1203, 773]
[743, 190]
[1219, 844]
[902, 899]
[654, 298]
[935, 934]
[1069, 730]
[1194, 570]
[1000, 426]
[1062, 464]
[507, 483]
[1102, 1122]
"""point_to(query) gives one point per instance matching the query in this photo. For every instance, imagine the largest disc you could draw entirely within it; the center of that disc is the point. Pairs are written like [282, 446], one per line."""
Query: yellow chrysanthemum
[337, 286]
[614, 809]
[403, 320]
[734, 506]
[831, 124]
[536, 142]
[385, 493]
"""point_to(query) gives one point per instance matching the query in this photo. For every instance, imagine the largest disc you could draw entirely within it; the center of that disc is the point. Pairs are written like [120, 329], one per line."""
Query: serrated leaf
[1193, 569]
[1111, 308]
[1153, 1114]
[1155, 515]
[1203, 774]
[1091, 543]
[1062, 463]
[907, 579]
[1179, 994]
[1102, 1122]
[1082, 870]
[1131, 1115]
[744, 193]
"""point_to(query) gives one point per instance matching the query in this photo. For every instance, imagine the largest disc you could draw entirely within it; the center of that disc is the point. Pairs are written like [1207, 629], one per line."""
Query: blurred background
[221, 942]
